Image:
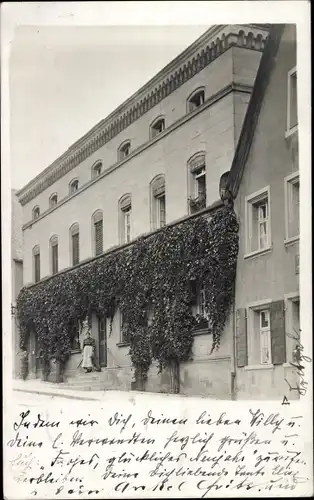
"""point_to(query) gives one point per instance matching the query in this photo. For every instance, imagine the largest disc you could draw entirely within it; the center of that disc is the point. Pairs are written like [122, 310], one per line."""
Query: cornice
[173, 76]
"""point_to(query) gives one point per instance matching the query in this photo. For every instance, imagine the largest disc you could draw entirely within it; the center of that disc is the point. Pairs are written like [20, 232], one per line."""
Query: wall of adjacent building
[274, 274]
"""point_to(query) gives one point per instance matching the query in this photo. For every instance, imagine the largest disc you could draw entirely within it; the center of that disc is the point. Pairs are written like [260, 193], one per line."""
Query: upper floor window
[157, 127]
[196, 99]
[98, 232]
[199, 305]
[125, 209]
[74, 186]
[54, 254]
[36, 213]
[124, 150]
[53, 200]
[36, 263]
[75, 244]
[158, 202]
[292, 108]
[258, 236]
[292, 206]
[96, 170]
[197, 182]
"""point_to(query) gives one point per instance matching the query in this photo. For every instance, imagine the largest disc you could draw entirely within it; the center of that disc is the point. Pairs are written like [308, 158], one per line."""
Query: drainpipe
[233, 362]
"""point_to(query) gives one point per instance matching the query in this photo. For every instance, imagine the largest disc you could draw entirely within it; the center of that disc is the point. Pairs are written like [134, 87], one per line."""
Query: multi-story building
[155, 160]
[265, 182]
[16, 275]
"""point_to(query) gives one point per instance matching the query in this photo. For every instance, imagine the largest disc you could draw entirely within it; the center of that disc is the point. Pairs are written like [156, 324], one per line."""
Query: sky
[65, 79]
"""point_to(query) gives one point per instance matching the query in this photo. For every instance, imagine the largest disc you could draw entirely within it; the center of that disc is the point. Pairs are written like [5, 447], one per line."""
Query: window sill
[76, 351]
[257, 253]
[291, 241]
[258, 367]
[123, 344]
[291, 131]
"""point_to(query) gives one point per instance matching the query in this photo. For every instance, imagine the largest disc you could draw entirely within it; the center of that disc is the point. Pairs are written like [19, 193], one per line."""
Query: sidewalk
[54, 390]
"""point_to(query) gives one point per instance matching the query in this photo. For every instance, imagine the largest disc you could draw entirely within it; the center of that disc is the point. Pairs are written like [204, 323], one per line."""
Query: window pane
[265, 346]
[37, 267]
[54, 249]
[293, 101]
[161, 211]
[264, 315]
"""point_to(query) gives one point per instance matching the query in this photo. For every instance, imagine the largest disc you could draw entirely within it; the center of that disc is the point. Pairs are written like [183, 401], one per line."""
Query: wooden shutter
[277, 332]
[75, 248]
[37, 267]
[241, 338]
[98, 237]
[55, 258]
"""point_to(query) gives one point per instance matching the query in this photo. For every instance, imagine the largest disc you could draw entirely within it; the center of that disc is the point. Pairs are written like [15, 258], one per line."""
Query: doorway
[102, 339]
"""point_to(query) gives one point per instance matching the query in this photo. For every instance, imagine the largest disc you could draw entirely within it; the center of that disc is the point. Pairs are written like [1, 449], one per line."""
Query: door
[102, 336]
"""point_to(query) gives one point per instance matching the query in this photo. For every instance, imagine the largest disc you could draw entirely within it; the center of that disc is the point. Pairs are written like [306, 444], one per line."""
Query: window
[197, 182]
[75, 244]
[292, 325]
[292, 109]
[157, 127]
[96, 170]
[74, 186]
[199, 305]
[292, 207]
[74, 335]
[36, 213]
[36, 263]
[98, 232]
[54, 254]
[125, 219]
[53, 200]
[196, 99]
[124, 150]
[158, 202]
[265, 348]
[258, 236]
[124, 338]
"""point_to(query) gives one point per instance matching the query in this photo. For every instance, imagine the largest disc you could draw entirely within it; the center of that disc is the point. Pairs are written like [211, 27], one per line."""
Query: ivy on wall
[151, 282]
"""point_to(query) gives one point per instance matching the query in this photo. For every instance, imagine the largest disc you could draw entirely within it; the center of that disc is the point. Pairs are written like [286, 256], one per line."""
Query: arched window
[54, 264]
[124, 150]
[97, 237]
[158, 202]
[96, 169]
[36, 263]
[157, 127]
[74, 184]
[75, 244]
[53, 200]
[36, 213]
[125, 212]
[197, 182]
[196, 99]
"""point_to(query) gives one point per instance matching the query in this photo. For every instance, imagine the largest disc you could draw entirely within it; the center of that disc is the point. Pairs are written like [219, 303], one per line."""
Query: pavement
[54, 390]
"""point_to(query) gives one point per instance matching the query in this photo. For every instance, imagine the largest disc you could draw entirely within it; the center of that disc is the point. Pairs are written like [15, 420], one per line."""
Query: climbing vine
[152, 284]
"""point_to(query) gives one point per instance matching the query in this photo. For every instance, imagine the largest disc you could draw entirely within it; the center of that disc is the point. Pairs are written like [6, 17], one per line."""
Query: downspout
[233, 354]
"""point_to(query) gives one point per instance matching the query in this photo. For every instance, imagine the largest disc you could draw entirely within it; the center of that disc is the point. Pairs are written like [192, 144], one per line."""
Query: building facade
[156, 160]
[16, 275]
[265, 180]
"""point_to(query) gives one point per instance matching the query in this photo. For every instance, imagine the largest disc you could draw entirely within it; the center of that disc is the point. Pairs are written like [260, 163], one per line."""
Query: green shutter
[277, 331]
[241, 338]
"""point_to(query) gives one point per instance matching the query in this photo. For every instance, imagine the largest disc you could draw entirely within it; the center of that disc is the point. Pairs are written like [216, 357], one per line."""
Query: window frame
[251, 310]
[157, 191]
[74, 230]
[153, 131]
[51, 203]
[121, 150]
[97, 217]
[192, 96]
[54, 243]
[125, 212]
[250, 202]
[76, 182]
[291, 130]
[289, 182]
[95, 166]
[36, 255]
[290, 299]
[35, 212]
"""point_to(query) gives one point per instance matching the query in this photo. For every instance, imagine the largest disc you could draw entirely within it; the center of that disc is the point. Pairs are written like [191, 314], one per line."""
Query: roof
[253, 110]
